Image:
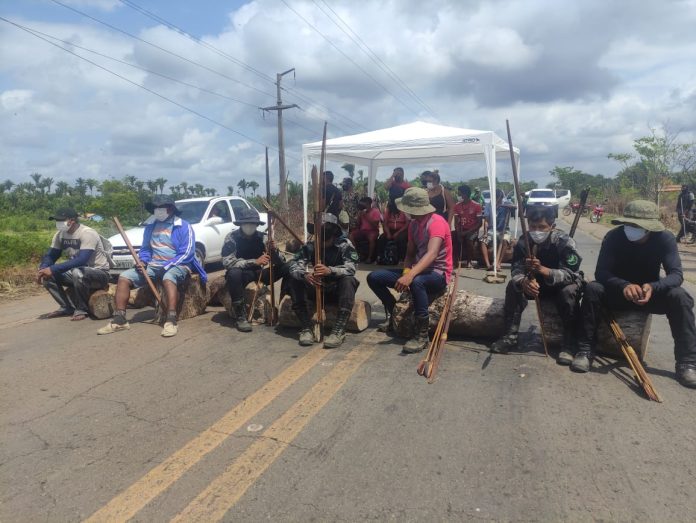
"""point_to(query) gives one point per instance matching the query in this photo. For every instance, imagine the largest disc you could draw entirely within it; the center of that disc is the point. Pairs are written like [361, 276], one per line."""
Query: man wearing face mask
[86, 270]
[552, 273]
[628, 277]
[168, 255]
[428, 266]
[245, 256]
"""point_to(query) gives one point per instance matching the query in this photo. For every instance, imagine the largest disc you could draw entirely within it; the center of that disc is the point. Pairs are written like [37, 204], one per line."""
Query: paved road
[216, 425]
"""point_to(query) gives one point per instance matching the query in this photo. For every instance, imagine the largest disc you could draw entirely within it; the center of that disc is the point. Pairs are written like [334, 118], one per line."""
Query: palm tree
[198, 189]
[130, 181]
[37, 179]
[242, 184]
[230, 190]
[152, 186]
[91, 183]
[47, 182]
[161, 182]
[62, 188]
[7, 185]
[81, 186]
[253, 186]
[184, 187]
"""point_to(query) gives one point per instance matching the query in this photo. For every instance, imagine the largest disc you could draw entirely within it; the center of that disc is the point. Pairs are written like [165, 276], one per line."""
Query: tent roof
[410, 143]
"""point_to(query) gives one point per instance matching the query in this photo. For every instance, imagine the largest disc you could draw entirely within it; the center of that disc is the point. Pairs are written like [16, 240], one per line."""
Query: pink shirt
[434, 227]
[375, 216]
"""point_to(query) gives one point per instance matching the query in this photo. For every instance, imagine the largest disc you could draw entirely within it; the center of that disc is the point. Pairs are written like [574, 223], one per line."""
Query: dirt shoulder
[598, 230]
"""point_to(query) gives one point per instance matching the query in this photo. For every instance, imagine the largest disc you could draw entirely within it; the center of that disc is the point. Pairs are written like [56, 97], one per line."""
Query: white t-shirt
[83, 238]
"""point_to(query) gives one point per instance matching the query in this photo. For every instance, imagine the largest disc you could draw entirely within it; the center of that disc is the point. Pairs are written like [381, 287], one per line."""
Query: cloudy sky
[577, 79]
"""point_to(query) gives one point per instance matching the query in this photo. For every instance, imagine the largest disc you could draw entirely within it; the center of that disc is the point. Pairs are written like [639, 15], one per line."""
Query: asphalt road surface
[218, 425]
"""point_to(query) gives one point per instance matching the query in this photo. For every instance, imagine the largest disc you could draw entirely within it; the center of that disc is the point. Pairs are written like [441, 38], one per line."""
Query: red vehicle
[597, 213]
[574, 208]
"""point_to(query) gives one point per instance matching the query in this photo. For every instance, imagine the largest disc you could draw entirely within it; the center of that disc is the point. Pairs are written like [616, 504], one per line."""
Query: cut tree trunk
[216, 286]
[193, 299]
[359, 319]
[101, 305]
[475, 316]
[262, 305]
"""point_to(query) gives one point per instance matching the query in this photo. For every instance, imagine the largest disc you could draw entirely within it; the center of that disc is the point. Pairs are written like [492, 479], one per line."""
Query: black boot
[338, 333]
[582, 362]
[306, 335]
[240, 314]
[686, 374]
[420, 339]
[509, 340]
[388, 325]
[568, 348]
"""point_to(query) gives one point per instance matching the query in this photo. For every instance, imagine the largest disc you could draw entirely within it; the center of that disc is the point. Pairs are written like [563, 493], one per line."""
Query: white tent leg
[371, 174]
[489, 153]
[305, 190]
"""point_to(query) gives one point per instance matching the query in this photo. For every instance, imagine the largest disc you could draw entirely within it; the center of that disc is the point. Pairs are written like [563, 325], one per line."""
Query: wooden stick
[583, 200]
[523, 223]
[138, 264]
[273, 318]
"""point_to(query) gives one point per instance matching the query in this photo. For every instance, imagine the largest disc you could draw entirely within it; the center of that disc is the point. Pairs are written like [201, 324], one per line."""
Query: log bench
[262, 305]
[475, 316]
[359, 320]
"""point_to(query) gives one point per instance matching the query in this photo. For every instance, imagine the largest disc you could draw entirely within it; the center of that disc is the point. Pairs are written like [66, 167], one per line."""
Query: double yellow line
[230, 486]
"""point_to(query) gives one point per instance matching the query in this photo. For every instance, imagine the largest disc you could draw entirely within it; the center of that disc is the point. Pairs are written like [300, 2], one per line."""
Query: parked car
[211, 219]
[560, 198]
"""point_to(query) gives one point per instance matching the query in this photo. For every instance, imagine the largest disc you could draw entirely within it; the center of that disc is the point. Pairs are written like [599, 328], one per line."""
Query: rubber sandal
[56, 314]
[78, 317]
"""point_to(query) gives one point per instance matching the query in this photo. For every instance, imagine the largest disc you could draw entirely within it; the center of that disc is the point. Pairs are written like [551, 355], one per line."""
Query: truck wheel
[200, 255]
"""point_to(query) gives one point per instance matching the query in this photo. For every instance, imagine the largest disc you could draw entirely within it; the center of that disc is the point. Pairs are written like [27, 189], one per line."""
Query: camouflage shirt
[341, 258]
[558, 253]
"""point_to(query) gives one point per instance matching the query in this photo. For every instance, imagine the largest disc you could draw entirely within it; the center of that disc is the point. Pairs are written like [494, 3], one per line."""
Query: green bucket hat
[415, 201]
[641, 213]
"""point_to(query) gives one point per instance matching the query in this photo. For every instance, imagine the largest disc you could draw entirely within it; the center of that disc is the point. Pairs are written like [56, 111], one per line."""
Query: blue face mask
[633, 233]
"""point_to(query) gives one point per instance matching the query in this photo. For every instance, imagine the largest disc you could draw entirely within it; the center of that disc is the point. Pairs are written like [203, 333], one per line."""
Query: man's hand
[262, 260]
[530, 287]
[634, 293]
[321, 270]
[140, 267]
[43, 274]
[309, 278]
[532, 265]
[647, 294]
[404, 283]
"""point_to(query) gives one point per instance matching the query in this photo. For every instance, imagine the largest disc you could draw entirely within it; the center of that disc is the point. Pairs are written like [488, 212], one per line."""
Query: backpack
[390, 256]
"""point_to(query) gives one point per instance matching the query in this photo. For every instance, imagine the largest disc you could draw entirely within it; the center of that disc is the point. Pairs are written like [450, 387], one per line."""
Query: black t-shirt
[621, 262]
[332, 199]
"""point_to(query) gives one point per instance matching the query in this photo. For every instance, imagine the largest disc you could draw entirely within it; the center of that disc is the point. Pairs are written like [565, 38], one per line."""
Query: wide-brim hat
[415, 202]
[329, 221]
[66, 213]
[159, 200]
[244, 216]
[641, 213]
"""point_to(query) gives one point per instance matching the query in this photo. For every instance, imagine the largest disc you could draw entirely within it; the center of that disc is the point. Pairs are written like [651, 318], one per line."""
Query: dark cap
[243, 216]
[161, 200]
[66, 213]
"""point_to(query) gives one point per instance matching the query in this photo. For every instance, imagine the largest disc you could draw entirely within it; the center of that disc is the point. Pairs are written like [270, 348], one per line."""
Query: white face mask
[430, 185]
[248, 228]
[160, 214]
[539, 236]
[62, 226]
[634, 233]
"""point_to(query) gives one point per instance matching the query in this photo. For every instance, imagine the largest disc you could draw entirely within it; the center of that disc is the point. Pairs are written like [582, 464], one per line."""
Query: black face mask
[362, 206]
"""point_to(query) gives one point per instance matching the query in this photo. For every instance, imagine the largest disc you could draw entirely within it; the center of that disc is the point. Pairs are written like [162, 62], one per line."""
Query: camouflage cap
[415, 201]
[641, 213]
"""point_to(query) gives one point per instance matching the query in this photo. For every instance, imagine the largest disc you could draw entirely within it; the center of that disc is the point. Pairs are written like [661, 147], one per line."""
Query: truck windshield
[542, 194]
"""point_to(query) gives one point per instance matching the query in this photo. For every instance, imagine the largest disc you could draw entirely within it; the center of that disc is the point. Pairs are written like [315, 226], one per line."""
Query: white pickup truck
[211, 219]
[558, 197]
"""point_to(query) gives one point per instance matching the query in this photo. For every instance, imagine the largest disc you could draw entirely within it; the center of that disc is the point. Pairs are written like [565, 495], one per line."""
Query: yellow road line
[134, 498]
[222, 494]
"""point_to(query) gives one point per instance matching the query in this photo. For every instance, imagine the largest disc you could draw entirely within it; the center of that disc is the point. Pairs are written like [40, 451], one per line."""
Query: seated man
[368, 227]
[467, 222]
[87, 267]
[168, 255]
[335, 275]
[628, 277]
[428, 266]
[502, 210]
[552, 273]
[244, 255]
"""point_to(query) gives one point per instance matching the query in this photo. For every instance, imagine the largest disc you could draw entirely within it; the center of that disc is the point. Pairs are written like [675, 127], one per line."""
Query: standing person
[395, 227]
[87, 267]
[553, 274]
[333, 197]
[428, 266]
[396, 184]
[501, 212]
[168, 255]
[440, 198]
[478, 197]
[467, 222]
[351, 201]
[627, 277]
[245, 258]
[335, 274]
[685, 202]
[368, 227]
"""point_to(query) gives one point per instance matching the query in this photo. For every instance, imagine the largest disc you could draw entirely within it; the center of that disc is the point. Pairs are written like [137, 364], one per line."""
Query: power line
[358, 66]
[372, 55]
[151, 91]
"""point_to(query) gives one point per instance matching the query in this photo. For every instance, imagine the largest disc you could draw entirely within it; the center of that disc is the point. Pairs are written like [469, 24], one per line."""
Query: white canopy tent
[417, 142]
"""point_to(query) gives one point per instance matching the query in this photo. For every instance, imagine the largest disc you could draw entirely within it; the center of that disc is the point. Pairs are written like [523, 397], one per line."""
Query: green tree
[161, 182]
[37, 179]
[242, 184]
[349, 168]
[62, 189]
[47, 182]
[91, 183]
[253, 186]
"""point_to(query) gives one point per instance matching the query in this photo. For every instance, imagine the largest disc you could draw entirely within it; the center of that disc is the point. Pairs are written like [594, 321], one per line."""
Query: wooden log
[101, 305]
[262, 306]
[359, 320]
[193, 299]
[475, 316]
[140, 298]
[216, 284]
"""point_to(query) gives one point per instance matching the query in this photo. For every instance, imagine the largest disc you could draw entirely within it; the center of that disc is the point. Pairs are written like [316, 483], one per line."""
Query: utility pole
[281, 142]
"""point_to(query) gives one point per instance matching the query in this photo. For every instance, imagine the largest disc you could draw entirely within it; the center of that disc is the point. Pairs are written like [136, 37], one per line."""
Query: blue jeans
[425, 283]
[176, 274]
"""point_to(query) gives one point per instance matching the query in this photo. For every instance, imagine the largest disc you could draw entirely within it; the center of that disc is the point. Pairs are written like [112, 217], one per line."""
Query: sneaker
[686, 374]
[504, 344]
[334, 340]
[112, 327]
[170, 329]
[306, 338]
[581, 362]
[565, 357]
